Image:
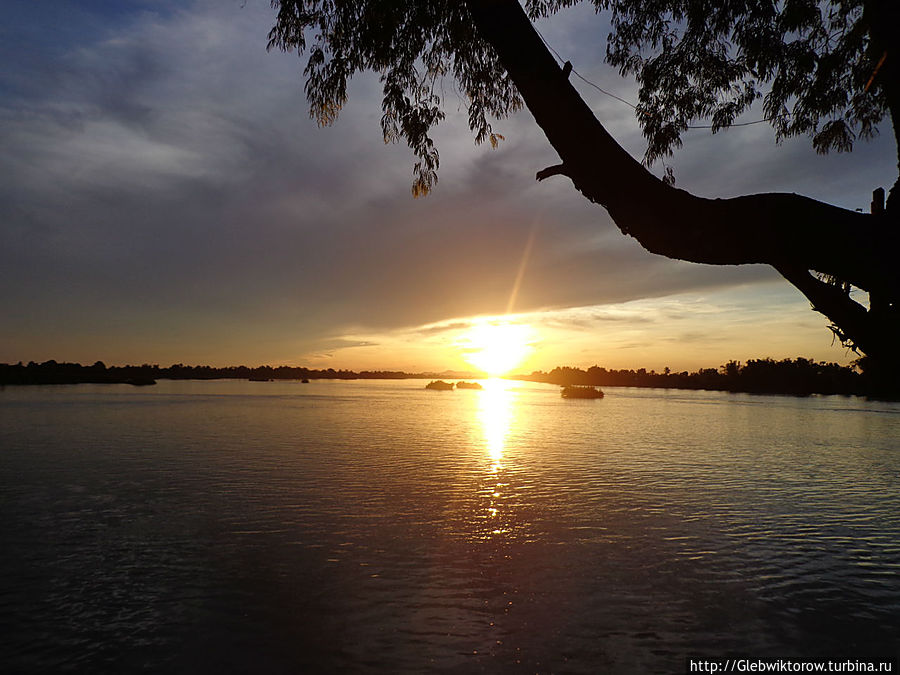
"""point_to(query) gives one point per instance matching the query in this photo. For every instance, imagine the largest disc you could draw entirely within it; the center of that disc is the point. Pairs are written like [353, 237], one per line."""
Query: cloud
[166, 194]
[439, 329]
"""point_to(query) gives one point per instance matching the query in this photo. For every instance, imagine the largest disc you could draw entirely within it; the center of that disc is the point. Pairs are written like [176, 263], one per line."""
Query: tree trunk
[794, 234]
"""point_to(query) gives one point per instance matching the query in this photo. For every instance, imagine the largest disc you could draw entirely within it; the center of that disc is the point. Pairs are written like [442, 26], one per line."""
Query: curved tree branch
[555, 170]
[776, 228]
[849, 315]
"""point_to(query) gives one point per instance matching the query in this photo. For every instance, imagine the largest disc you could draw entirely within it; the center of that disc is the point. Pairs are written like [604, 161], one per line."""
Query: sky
[165, 198]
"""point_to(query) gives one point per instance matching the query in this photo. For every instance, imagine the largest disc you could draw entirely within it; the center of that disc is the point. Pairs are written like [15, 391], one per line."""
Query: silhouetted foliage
[811, 62]
[830, 70]
[798, 376]
[413, 45]
[698, 60]
[51, 372]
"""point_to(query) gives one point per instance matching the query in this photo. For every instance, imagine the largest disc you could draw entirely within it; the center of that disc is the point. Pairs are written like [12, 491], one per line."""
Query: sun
[496, 348]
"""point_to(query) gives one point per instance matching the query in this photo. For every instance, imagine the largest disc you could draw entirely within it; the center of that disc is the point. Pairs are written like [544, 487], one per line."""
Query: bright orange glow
[497, 348]
[496, 414]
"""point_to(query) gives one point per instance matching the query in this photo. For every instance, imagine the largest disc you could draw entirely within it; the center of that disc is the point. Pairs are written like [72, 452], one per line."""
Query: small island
[468, 385]
[581, 391]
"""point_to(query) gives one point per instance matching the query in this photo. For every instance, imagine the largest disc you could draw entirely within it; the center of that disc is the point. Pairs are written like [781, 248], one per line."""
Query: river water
[232, 526]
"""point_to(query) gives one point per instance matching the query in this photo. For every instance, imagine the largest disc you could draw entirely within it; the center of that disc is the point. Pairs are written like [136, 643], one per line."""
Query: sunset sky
[166, 198]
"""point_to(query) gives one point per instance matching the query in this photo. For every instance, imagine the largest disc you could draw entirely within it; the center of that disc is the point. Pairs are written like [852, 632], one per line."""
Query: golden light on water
[496, 416]
[496, 347]
[497, 412]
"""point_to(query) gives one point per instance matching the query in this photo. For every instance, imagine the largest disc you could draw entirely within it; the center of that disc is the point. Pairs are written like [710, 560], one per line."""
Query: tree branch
[555, 170]
[775, 228]
[850, 316]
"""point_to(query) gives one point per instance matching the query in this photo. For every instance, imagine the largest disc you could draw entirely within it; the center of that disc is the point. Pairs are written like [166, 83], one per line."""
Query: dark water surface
[375, 526]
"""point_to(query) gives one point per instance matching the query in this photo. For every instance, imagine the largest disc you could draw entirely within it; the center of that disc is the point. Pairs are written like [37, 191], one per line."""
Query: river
[375, 526]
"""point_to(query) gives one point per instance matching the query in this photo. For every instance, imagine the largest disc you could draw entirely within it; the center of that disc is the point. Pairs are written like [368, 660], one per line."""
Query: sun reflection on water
[497, 415]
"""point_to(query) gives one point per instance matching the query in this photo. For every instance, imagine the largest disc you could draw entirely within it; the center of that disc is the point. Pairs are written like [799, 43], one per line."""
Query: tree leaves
[414, 46]
[835, 135]
[808, 60]
[697, 60]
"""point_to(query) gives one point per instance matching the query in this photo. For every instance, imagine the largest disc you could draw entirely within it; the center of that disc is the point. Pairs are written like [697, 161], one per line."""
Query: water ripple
[364, 526]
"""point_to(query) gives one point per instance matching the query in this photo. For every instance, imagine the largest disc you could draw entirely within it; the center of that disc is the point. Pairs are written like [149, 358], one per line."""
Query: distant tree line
[799, 377]
[52, 372]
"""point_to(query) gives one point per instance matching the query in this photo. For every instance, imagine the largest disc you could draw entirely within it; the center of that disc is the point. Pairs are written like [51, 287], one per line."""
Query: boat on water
[581, 391]
[468, 385]
[439, 385]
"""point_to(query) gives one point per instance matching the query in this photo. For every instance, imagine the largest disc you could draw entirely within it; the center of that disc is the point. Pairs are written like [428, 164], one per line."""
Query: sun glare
[496, 414]
[497, 348]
